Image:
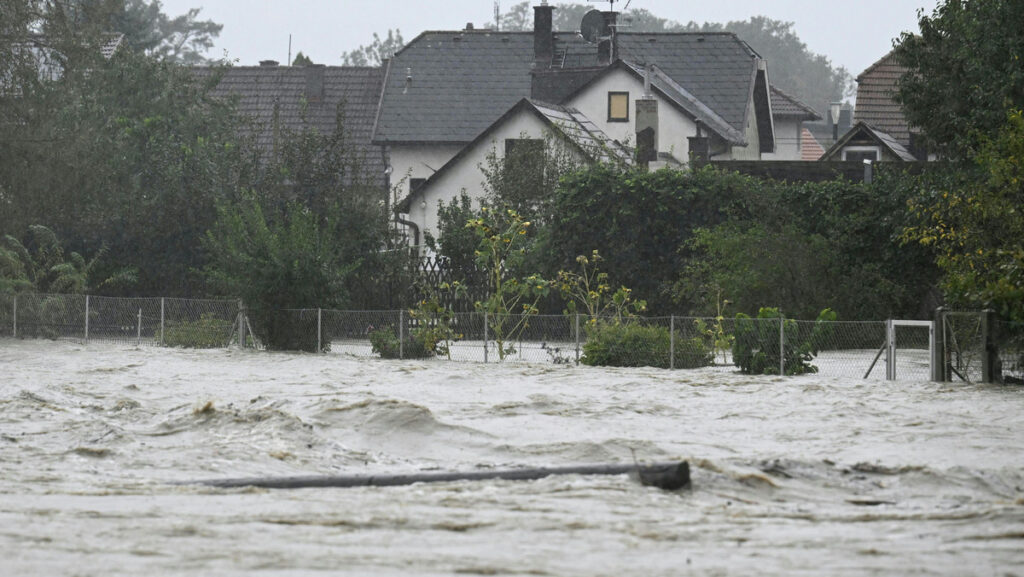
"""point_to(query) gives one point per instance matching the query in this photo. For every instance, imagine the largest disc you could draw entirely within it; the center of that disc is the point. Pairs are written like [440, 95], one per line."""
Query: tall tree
[965, 70]
[376, 52]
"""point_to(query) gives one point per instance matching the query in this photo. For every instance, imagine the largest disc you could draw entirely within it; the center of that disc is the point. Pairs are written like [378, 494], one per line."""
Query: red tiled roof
[810, 149]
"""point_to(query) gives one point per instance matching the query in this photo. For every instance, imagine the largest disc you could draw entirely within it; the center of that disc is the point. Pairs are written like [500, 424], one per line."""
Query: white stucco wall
[752, 151]
[466, 175]
[410, 161]
[787, 140]
[674, 127]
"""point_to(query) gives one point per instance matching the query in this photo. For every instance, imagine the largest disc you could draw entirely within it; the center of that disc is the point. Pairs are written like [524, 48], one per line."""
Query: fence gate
[966, 346]
[910, 346]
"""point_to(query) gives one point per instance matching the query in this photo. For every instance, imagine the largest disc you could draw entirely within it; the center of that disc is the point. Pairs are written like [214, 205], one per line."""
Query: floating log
[668, 476]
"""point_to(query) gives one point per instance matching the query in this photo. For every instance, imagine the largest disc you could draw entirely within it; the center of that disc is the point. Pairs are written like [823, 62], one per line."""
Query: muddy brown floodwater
[791, 476]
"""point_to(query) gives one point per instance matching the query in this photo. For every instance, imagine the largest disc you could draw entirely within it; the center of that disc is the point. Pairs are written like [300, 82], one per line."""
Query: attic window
[862, 153]
[618, 107]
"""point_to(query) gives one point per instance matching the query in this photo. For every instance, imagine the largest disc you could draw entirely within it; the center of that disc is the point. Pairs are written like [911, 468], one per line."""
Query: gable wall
[410, 161]
[466, 174]
[674, 128]
[752, 151]
[787, 140]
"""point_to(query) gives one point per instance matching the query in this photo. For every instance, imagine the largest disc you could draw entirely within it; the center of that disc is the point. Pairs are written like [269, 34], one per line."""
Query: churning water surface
[804, 475]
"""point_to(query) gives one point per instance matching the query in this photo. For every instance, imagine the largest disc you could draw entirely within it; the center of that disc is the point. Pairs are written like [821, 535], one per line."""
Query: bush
[634, 345]
[755, 349]
[209, 332]
[385, 343]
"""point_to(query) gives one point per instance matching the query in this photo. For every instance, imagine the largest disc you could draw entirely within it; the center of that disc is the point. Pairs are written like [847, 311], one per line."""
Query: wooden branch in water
[668, 476]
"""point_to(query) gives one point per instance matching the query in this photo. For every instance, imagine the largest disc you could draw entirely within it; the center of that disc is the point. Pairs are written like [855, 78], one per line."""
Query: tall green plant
[512, 300]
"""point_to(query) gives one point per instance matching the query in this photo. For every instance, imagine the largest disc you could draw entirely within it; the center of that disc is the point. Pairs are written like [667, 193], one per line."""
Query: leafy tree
[974, 222]
[129, 152]
[183, 39]
[41, 264]
[965, 68]
[302, 60]
[376, 52]
[455, 241]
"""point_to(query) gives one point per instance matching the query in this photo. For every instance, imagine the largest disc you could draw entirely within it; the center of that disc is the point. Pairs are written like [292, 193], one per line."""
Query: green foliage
[183, 39]
[280, 257]
[512, 300]
[376, 52]
[385, 342]
[209, 332]
[302, 60]
[457, 243]
[637, 220]
[41, 265]
[435, 322]
[756, 346]
[714, 334]
[631, 344]
[973, 221]
[589, 291]
[965, 67]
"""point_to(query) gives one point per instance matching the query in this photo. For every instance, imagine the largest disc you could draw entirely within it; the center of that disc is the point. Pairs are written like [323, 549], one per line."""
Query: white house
[451, 97]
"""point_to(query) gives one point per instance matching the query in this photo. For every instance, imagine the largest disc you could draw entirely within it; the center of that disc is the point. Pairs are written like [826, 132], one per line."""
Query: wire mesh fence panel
[1009, 340]
[963, 343]
[355, 332]
[844, 348]
[197, 323]
[52, 316]
[124, 320]
[531, 338]
[8, 306]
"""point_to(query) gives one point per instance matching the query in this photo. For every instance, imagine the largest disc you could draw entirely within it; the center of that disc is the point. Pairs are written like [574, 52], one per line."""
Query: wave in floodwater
[790, 475]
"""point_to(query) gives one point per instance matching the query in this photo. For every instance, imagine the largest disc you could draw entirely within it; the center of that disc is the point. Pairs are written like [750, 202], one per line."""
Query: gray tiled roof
[262, 89]
[450, 86]
[786, 106]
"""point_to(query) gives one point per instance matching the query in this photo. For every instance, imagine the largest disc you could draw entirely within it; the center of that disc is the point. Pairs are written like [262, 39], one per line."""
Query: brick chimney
[543, 36]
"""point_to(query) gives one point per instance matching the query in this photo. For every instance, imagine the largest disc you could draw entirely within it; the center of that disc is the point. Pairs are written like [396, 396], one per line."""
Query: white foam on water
[803, 475]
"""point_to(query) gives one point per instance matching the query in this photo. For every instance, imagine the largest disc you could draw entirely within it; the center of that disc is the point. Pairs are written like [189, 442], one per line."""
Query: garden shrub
[385, 343]
[631, 344]
[209, 332]
[755, 349]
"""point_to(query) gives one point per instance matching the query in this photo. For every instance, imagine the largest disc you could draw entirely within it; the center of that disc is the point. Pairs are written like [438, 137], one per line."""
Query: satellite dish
[594, 26]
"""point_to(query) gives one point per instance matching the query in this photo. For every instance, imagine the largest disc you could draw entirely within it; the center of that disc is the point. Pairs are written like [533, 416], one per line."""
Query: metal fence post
[15, 333]
[577, 338]
[989, 352]
[401, 334]
[782, 345]
[319, 332]
[890, 350]
[86, 318]
[162, 299]
[485, 336]
[672, 342]
[241, 325]
[138, 330]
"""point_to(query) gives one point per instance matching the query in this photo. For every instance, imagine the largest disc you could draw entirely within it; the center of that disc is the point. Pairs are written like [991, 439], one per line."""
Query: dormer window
[618, 107]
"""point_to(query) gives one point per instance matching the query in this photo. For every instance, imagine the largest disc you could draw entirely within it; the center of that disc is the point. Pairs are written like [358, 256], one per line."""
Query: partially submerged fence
[957, 346]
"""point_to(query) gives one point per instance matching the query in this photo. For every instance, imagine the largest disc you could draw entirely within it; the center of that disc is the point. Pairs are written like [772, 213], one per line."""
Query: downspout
[415, 229]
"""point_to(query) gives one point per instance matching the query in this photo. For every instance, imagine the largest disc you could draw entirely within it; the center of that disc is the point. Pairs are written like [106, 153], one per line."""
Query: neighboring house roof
[786, 106]
[300, 97]
[876, 87]
[689, 104]
[864, 130]
[810, 148]
[447, 87]
[577, 128]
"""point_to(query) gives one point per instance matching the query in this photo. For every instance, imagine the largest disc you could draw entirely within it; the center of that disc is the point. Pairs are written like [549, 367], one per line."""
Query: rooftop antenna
[289, 61]
[497, 15]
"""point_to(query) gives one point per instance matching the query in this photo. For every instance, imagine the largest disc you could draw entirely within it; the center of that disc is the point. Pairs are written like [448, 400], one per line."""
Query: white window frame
[876, 149]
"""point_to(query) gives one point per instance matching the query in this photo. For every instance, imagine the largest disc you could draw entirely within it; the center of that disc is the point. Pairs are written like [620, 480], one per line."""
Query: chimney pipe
[543, 37]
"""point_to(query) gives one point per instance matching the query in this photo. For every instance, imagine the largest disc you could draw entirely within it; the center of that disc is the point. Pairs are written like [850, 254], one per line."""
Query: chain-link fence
[189, 323]
[956, 343]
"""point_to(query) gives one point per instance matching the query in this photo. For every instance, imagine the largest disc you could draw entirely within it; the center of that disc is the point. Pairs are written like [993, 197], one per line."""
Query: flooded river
[791, 476]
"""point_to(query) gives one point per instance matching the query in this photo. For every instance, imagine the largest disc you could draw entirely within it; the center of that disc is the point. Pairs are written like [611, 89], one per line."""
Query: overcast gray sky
[850, 33]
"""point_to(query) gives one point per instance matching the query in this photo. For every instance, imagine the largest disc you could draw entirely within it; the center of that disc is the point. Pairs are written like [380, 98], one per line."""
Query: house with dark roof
[290, 99]
[792, 138]
[672, 97]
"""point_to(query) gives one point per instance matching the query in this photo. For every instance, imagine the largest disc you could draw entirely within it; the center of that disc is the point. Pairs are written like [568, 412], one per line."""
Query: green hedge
[631, 344]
